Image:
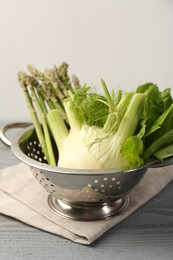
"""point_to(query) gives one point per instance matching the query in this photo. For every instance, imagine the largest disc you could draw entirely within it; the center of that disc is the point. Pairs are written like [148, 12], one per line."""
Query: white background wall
[125, 42]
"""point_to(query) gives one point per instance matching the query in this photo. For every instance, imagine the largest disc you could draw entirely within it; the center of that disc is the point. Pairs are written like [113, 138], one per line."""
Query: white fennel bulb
[96, 143]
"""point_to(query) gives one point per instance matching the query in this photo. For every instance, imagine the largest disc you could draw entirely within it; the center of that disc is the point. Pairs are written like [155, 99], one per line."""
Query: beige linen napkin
[23, 198]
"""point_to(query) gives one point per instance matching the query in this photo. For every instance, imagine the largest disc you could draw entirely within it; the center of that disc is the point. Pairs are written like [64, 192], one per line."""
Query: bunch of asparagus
[45, 91]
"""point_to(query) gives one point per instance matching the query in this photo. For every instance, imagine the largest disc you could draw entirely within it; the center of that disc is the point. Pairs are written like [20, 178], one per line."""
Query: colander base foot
[86, 212]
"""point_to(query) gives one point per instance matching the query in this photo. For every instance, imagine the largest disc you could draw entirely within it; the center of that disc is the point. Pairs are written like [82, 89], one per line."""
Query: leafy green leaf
[167, 98]
[153, 106]
[161, 120]
[164, 152]
[159, 143]
[132, 149]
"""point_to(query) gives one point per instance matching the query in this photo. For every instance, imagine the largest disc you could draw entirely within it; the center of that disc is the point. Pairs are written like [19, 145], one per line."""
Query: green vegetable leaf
[132, 149]
[153, 106]
[161, 120]
[159, 143]
[164, 152]
[167, 98]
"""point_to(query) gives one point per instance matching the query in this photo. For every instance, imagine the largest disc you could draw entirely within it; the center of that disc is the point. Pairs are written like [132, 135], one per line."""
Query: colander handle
[7, 127]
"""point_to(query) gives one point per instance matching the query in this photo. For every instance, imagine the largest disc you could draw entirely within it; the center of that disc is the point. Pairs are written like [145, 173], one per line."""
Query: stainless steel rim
[35, 164]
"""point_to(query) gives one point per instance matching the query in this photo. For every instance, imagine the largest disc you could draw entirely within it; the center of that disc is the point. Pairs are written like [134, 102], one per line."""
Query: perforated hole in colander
[106, 185]
[35, 152]
[43, 180]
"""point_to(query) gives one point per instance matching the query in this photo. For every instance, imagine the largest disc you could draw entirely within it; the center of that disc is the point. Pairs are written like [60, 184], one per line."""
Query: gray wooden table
[146, 234]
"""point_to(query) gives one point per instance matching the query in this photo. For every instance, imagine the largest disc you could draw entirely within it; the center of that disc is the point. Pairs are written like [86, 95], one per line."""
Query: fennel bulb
[96, 145]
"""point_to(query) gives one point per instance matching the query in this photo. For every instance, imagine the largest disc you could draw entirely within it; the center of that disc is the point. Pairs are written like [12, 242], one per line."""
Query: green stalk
[31, 108]
[36, 123]
[42, 104]
[50, 154]
[114, 119]
[72, 115]
[45, 97]
[123, 103]
[108, 96]
[129, 122]
[50, 99]
[57, 91]
[58, 128]
[51, 92]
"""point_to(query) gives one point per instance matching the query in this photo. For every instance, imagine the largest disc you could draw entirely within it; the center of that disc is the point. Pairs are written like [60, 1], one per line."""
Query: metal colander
[77, 194]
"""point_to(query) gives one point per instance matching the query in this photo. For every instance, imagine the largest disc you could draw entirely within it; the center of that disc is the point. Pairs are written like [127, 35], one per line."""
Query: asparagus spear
[31, 97]
[44, 92]
[53, 96]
